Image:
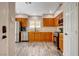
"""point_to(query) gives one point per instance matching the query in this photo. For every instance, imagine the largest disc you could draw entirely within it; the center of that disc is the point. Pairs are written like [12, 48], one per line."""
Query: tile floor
[37, 49]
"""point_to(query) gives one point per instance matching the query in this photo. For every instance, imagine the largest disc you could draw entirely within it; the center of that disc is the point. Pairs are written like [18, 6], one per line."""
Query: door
[70, 29]
[7, 17]
[3, 22]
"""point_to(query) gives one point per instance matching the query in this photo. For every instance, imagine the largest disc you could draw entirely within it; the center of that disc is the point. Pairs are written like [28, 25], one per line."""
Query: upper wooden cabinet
[60, 19]
[56, 22]
[48, 22]
[53, 22]
[23, 21]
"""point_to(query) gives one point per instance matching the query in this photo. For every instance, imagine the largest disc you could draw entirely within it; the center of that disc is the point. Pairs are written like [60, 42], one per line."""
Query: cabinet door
[61, 44]
[51, 22]
[41, 36]
[24, 22]
[61, 41]
[56, 21]
[45, 22]
[37, 37]
[31, 36]
[48, 22]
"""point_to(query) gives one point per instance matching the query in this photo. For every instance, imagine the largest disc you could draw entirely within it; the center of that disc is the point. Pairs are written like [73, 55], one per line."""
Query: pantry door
[70, 29]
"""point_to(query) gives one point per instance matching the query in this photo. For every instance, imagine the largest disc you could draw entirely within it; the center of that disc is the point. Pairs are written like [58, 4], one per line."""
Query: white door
[7, 45]
[3, 22]
[70, 29]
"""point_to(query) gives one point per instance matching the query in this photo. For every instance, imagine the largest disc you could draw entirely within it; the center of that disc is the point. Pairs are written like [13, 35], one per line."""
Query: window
[38, 24]
[35, 24]
[31, 24]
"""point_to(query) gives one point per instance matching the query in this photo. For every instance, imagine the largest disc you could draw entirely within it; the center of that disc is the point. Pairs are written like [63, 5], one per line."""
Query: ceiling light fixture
[27, 3]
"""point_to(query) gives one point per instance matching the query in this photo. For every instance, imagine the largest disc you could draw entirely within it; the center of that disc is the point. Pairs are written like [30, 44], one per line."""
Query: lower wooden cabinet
[40, 36]
[61, 41]
[31, 36]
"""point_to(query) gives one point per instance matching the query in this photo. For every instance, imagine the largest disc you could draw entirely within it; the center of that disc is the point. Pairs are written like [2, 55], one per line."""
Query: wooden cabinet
[60, 19]
[18, 19]
[23, 21]
[48, 22]
[40, 36]
[45, 22]
[53, 22]
[31, 36]
[61, 41]
[56, 22]
[37, 36]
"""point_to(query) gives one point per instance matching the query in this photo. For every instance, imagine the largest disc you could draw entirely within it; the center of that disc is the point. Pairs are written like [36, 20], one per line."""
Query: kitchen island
[40, 36]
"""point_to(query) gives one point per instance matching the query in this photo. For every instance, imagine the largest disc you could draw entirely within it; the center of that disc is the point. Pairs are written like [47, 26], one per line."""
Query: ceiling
[36, 8]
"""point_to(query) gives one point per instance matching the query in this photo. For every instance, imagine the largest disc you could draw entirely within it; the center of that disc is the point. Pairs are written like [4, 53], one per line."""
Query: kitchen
[42, 27]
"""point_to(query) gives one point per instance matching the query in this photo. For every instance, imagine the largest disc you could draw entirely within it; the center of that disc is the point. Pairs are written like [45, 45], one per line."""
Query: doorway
[44, 29]
[65, 43]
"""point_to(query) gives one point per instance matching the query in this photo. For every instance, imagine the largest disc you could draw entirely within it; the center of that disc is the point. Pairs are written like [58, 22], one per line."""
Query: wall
[11, 24]
[48, 29]
[78, 29]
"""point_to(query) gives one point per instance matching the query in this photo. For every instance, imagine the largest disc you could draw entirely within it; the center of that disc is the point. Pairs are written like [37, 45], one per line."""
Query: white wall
[48, 29]
[78, 29]
[75, 26]
[11, 24]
